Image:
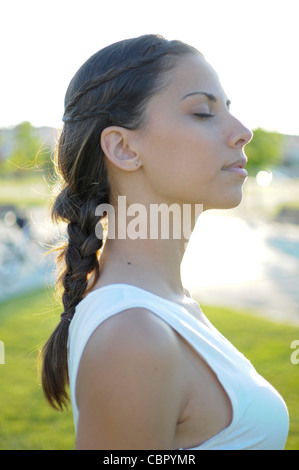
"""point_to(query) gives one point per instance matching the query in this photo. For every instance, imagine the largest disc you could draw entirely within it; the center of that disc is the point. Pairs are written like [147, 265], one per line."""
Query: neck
[147, 251]
[152, 264]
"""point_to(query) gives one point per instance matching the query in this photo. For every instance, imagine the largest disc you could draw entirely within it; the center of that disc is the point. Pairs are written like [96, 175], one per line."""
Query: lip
[237, 167]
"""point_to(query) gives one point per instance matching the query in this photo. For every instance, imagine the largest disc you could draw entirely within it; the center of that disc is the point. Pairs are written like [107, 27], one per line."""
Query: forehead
[192, 73]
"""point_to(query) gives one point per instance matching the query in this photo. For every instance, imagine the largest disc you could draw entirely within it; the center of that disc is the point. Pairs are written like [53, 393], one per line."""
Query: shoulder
[130, 372]
[133, 336]
[139, 325]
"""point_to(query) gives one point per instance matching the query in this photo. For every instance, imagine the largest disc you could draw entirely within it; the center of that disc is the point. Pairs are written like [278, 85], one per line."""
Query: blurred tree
[27, 154]
[264, 151]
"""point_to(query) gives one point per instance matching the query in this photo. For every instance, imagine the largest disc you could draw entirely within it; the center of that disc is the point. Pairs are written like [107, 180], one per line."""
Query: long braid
[80, 256]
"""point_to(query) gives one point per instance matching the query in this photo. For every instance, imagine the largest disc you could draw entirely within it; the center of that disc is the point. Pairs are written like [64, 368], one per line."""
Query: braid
[80, 257]
[113, 73]
[76, 114]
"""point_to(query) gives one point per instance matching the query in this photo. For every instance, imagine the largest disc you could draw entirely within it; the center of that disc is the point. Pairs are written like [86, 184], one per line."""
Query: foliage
[26, 153]
[27, 422]
[264, 151]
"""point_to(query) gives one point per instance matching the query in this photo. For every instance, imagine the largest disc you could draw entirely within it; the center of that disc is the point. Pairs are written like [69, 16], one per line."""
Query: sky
[253, 46]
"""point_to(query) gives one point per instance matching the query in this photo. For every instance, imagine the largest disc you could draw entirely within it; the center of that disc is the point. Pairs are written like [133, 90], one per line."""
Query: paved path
[244, 264]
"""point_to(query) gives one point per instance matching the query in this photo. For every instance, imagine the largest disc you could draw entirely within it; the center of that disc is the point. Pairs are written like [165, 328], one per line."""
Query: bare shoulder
[130, 373]
[135, 330]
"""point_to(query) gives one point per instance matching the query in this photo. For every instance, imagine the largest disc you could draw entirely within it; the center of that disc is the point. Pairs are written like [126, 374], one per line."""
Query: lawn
[27, 422]
[33, 190]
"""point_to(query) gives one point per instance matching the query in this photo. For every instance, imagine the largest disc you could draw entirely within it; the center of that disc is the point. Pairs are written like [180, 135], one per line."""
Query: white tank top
[260, 417]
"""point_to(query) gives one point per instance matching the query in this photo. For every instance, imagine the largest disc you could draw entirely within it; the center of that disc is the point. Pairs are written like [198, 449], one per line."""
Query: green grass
[27, 422]
[267, 345]
[34, 190]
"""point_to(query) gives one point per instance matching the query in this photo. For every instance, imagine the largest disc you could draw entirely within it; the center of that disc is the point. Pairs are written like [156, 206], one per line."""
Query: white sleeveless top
[260, 417]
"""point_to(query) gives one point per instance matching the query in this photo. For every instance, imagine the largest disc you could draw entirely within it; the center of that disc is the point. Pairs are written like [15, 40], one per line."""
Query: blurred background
[244, 260]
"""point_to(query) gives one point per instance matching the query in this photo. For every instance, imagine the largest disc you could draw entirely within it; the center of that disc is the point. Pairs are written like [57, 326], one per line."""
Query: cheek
[162, 155]
[179, 164]
[193, 159]
[177, 148]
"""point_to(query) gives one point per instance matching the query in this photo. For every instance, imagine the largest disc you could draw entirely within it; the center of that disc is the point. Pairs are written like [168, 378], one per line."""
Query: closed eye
[203, 115]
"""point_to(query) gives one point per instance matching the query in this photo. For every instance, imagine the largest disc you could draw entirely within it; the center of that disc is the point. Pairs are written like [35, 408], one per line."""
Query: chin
[226, 202]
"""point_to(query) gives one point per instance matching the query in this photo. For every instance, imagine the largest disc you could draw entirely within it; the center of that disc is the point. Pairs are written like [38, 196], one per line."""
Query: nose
[240, 135]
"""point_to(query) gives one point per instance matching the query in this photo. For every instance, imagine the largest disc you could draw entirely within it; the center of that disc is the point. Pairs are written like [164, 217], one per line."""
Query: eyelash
[203, 115]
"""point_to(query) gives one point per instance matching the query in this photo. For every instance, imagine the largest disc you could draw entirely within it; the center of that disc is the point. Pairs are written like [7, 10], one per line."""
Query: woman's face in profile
[189, 140]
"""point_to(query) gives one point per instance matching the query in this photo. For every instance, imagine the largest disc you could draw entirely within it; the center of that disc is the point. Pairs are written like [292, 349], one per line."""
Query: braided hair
[111, 88]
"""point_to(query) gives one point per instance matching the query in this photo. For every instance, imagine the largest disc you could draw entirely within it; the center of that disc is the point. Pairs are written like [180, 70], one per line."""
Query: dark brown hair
[111, 88]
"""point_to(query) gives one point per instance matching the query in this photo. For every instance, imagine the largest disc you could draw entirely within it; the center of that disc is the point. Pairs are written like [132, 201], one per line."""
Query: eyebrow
[208, 95]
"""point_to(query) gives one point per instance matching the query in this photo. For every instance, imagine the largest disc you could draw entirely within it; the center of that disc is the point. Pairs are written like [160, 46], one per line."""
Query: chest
[260, 416]
[207, 409]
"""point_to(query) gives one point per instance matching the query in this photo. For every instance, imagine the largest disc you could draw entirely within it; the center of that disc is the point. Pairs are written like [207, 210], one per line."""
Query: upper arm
[128, 384]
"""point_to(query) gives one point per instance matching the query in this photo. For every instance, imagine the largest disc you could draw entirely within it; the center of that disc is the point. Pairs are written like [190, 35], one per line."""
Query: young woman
[147, 120]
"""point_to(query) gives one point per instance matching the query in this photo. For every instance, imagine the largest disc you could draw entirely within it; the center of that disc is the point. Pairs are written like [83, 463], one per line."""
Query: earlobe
[115, 143]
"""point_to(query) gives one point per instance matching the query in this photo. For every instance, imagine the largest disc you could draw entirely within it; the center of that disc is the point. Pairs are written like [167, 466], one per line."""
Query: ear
[116, 145]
